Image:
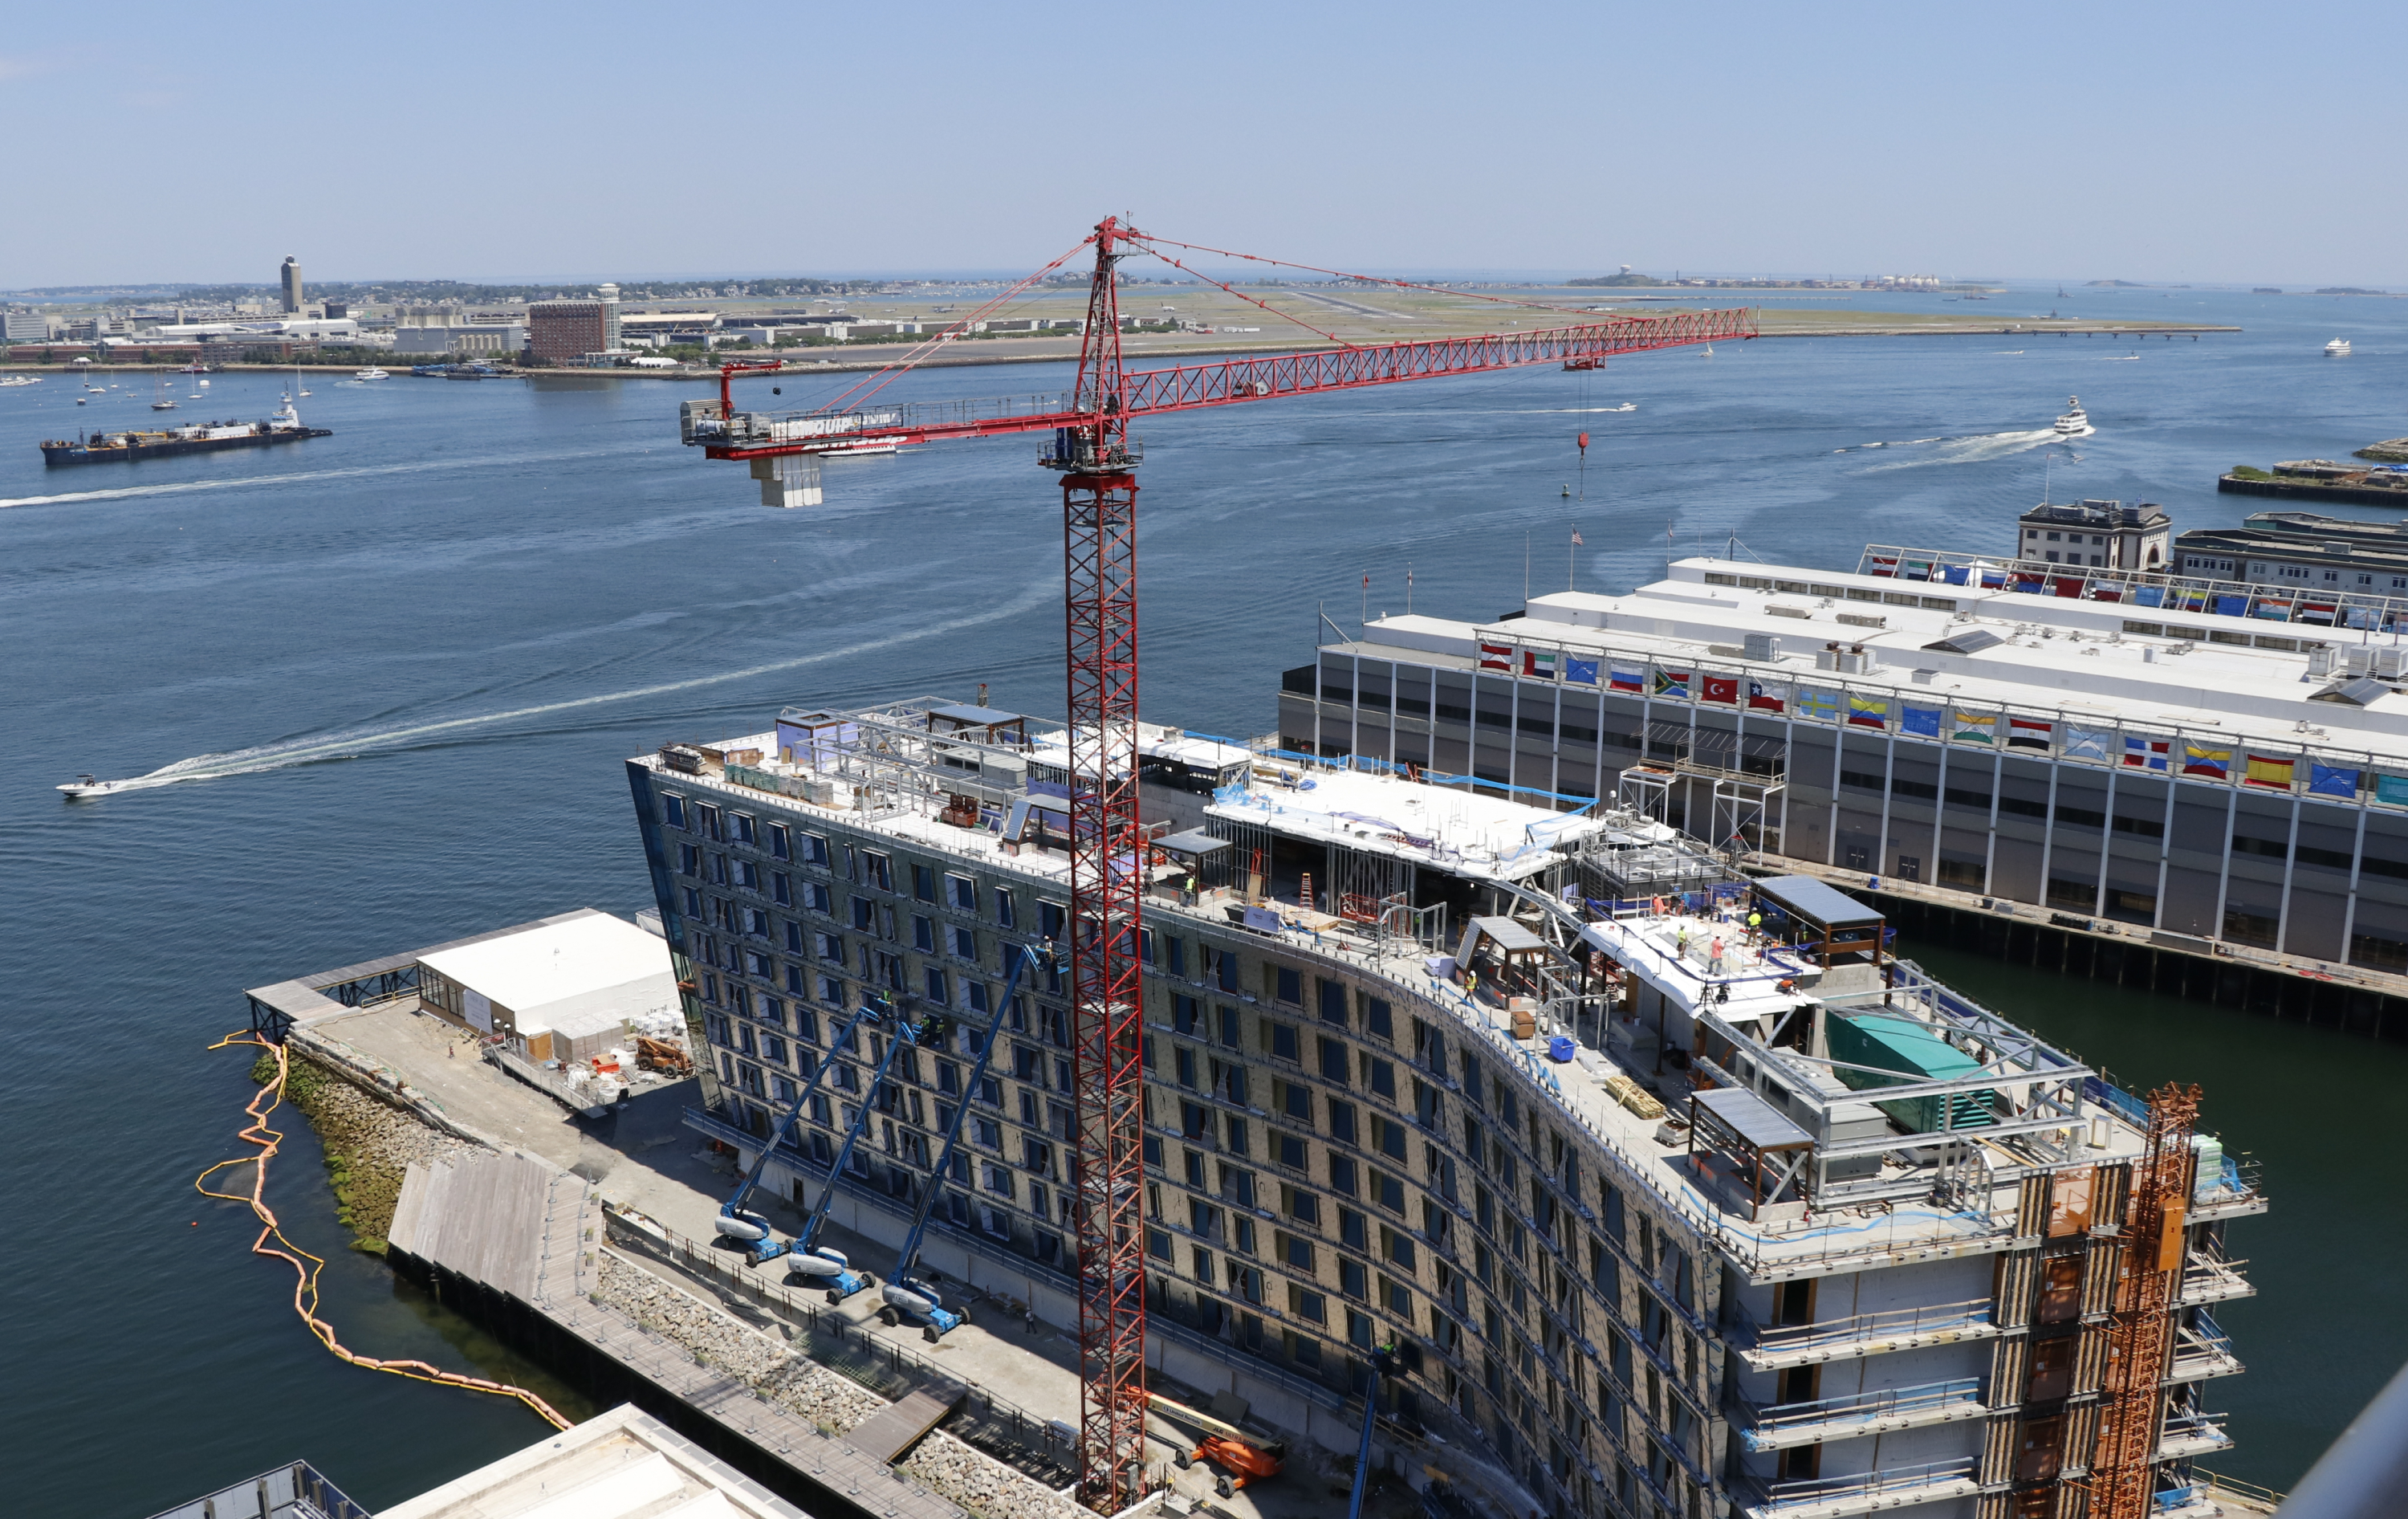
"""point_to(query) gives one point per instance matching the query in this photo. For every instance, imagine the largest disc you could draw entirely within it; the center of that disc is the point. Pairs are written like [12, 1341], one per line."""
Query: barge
[282, 426]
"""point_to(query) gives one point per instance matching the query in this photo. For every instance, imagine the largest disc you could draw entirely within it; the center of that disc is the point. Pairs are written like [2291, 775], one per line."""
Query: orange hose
[304, 1284]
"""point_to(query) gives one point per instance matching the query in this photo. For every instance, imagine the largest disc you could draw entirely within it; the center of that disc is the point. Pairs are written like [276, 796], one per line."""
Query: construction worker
[1190, 899]
[1714, 957]
[1685, 941]
[1754, 924]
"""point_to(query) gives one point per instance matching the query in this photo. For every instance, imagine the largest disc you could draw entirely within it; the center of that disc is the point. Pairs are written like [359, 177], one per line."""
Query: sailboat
[160, 399]
[298, 389]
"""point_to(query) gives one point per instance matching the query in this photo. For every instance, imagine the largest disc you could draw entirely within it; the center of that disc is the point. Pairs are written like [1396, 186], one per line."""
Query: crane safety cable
[1149, 238]
[305, 1284]
[860, 389]
[1284, 316]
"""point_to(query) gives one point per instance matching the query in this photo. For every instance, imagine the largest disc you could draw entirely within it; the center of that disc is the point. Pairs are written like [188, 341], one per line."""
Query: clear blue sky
[153, 141]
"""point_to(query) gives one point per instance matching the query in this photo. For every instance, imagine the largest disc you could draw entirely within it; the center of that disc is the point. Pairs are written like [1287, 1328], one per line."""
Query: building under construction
[1665, 1214]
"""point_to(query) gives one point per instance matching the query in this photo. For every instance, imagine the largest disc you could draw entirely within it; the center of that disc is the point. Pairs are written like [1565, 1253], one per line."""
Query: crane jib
[1193, 387]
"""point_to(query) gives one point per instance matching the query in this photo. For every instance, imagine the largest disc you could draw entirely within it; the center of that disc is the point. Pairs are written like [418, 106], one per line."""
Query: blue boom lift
[749, 1228]
[907, 1294]
[803, 1258]
[1384, 1364]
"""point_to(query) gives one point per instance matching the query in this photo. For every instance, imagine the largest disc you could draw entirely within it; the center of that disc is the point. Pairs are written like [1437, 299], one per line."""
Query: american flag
[1578, 542]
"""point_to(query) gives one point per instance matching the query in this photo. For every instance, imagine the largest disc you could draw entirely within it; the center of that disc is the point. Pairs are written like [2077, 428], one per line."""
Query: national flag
[2266, 771]
[1722, 688]
[1578, 541]
[2068, 586]
[2028, 733]
[2087, 743]
[1762, 699]
[1868, 711]
[2318, 611]
[2028, 583]
[1623, 679]
[1497, 656]
[2145, 754]
[1923, 722]
[1822, 706]
[1673, 684]
[1975, 728]
[1580, 671]
[2149, 596]
[1884, 565]
[2391, 788]
[1539, 663]
[2228, 606]
[2215, 763]
[2331, 781]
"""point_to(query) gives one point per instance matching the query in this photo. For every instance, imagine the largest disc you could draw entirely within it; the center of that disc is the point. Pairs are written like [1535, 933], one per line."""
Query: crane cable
[1284, 316]
[860, 389]
[1367, 279]
[304, 1284]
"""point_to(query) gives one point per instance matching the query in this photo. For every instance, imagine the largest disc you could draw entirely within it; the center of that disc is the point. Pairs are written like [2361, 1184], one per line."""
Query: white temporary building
[561, 988]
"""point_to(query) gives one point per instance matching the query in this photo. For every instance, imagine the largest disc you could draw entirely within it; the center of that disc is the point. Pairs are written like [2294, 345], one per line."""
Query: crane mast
[1107, 894]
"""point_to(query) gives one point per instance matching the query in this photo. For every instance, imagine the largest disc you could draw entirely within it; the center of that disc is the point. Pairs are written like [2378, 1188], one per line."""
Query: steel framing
[2140, 1327]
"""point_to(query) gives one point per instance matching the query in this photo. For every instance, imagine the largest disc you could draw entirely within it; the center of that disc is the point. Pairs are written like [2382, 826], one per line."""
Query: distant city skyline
[2078, 143]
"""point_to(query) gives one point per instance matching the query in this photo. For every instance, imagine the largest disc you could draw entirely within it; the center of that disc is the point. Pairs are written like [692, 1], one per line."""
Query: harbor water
[381, 683]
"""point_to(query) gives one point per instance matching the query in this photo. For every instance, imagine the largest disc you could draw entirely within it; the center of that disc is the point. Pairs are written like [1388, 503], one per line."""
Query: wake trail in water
[1979, 448]
[179, 487]
[361, 741]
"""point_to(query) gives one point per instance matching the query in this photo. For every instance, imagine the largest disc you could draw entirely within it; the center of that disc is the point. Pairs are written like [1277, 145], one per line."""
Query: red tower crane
[1098, 461]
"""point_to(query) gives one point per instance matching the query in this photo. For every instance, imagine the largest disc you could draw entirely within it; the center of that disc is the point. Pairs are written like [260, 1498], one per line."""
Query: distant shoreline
[1061, 350]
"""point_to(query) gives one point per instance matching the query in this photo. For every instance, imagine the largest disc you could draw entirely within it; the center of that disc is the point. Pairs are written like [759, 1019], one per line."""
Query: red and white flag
[1578, 542]
[1497, 656]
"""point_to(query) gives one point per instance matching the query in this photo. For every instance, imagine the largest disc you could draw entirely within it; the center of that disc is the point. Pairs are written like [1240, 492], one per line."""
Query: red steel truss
[1091, 447]
[1191, 387]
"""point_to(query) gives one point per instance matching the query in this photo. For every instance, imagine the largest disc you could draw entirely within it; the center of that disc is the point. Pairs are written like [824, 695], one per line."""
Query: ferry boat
[2076, 421]
[281, 426]
[2337, 348]
[371, 372]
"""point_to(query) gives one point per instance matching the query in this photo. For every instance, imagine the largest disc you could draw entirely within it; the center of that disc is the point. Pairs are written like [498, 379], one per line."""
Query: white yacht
[2337, 348]
[371, 372]
[2076, 421]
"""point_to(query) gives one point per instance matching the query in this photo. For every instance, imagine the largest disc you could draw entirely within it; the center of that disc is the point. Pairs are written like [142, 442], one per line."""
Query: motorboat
[371, 372]
[88, 785]
[12, 380]
[2337, 348]
[2076, 421]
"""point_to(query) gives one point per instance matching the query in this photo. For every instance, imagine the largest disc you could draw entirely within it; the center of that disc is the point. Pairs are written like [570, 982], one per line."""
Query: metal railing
[1774, 1419]
[1888, 1483]
[2183, 1427]
[1896, 1321]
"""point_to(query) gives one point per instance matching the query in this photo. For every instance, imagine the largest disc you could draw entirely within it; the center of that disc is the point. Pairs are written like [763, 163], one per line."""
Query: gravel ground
[942, 1464]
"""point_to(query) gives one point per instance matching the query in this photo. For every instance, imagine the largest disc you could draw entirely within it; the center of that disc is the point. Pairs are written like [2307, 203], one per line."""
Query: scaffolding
[2141, 1326]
